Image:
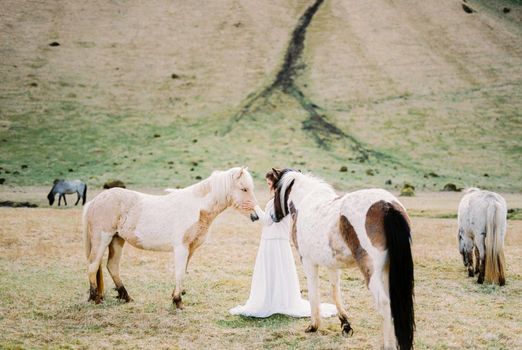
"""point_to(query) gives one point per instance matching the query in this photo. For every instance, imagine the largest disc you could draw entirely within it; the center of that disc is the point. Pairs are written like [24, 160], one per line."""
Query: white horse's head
[241, 189]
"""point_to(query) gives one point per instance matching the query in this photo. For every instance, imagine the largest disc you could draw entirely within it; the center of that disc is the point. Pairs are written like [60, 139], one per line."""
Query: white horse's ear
[240, 173]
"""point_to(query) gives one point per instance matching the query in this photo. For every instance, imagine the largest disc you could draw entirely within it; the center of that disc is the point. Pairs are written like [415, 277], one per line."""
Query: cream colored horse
[370, 227]
[178, 222]
[482, 226]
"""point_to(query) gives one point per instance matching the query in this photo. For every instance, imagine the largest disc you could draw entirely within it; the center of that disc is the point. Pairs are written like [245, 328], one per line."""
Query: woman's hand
[248, 205]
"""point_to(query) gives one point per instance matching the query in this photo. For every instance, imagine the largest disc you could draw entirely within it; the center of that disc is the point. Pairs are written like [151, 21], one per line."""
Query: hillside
[160, 93]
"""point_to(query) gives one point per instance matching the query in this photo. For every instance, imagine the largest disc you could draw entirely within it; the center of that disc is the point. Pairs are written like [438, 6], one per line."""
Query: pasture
[44, 288]
[158, 94]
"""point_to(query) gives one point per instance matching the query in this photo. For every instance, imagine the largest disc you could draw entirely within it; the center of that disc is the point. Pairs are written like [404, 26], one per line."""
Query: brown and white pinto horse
[177, 222]
[368, 226]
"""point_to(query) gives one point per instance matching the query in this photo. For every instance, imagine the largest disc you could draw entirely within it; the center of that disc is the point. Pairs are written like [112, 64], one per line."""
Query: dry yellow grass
[43, 291]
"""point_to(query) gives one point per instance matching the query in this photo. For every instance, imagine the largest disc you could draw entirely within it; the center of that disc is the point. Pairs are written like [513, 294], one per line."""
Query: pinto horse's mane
[285, 184]
[307, 179]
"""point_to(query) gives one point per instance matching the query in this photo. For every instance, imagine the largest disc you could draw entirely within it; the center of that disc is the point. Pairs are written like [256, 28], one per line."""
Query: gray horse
[63, 187]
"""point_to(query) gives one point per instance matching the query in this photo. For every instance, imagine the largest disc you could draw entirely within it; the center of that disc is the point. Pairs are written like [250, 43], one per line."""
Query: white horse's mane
[218, 184]
[470, 189]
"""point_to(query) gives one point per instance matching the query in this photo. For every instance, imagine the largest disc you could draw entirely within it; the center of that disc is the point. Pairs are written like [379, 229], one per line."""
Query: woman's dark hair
[271, 175]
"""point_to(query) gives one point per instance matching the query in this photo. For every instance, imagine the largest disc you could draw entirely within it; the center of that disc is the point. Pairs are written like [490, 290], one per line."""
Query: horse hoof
[126, 299]
[93, 294]
[347, 330]
[470, 273]
[480, 281]
[178, 303]
[123, 295]
[311, 329]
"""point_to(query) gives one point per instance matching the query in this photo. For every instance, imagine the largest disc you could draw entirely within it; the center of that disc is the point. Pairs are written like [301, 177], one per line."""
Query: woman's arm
[264, 216]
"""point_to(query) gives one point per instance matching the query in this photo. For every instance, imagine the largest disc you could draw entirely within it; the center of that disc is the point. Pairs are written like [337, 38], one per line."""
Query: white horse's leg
[481, 247]
[335, 282]
[468, 252]
[113, 265]
[477, 260]
[98, 246]
[181, 254]
[312, 280]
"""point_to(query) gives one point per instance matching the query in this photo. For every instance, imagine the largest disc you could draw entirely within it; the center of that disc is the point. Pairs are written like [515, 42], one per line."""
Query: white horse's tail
[85, 228]
[495, 261]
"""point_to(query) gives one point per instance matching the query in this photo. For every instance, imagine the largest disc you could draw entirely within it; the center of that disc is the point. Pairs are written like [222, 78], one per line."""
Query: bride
[275, 286]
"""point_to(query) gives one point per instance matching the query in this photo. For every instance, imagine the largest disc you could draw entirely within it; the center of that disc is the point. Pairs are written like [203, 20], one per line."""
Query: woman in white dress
[275, 285]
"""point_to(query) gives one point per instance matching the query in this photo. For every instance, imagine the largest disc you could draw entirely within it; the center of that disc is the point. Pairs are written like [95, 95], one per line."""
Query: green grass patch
[514, 214]
[273, 322]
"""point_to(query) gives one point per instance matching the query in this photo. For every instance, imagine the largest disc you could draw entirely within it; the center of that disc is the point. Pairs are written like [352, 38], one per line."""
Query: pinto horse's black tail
[84, 196]
[398, 237]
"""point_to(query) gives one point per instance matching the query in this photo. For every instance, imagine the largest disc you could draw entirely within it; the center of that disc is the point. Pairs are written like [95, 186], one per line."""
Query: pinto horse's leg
[181, 254]
[380, 288]
[390, 341]
[113, 265]
[335, 281]
[312, 279]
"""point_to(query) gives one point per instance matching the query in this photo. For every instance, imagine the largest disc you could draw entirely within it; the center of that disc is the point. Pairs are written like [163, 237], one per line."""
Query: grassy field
[43, 290]
[159, 94]
[147, 94]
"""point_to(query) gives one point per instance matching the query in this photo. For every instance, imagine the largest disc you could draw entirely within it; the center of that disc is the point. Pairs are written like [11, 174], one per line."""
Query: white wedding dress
[275, 285]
